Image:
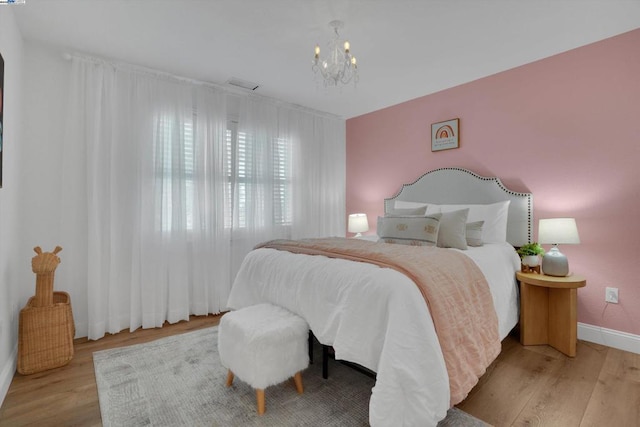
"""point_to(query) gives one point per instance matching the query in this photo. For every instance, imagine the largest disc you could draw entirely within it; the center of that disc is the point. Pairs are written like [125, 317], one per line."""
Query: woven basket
[46, 330]
[45, 335]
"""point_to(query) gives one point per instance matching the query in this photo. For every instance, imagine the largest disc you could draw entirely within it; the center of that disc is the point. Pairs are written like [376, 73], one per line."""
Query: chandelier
[339, 65]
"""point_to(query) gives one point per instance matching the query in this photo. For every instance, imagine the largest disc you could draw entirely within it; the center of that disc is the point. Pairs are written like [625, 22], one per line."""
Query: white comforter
[375, 317]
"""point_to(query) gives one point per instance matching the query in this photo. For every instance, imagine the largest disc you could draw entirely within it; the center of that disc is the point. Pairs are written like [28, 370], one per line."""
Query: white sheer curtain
[166, 190]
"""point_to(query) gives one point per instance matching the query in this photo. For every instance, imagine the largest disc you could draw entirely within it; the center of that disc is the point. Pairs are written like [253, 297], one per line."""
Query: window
[282, 167]
[257, 177]
[175, 166]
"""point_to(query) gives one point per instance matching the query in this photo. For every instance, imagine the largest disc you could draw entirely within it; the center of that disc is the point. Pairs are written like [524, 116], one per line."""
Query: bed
[377, 317]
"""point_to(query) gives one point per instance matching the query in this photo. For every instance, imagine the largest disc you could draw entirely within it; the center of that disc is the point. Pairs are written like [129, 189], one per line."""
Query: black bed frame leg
[325, 355]
[325, 361]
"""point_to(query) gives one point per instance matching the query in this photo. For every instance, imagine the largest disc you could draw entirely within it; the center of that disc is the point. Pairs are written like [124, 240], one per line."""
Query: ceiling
[405, 48]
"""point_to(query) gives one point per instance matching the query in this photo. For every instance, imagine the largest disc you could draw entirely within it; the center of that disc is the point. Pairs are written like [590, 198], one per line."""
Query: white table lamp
[555, 231]
[358, 224]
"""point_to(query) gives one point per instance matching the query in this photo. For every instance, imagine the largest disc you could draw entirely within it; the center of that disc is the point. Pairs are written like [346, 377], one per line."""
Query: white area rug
[178, 381]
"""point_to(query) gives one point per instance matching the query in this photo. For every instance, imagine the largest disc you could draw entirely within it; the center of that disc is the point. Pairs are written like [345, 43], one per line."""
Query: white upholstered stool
[263, 345]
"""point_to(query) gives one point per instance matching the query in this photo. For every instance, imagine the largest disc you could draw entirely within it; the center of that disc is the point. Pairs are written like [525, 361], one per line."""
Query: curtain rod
[158, 73]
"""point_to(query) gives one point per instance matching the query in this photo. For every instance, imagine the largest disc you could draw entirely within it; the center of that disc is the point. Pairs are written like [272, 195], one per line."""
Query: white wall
[45, 99]
[46, 76]
[36, 82]
[11, 258]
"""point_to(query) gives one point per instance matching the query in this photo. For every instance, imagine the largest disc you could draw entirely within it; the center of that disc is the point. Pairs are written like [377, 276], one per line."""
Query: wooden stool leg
[297, 378]
[229, 378]
[260, 398]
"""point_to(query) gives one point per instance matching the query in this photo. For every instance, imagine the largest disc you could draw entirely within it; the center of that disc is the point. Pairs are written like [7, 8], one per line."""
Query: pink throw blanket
[453, 286]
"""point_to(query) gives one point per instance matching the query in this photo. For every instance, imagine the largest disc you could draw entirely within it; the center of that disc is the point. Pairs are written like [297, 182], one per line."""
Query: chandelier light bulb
[346, 46]
[317, 50]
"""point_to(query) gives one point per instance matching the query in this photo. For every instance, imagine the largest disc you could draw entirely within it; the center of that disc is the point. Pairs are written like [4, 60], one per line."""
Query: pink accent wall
[565, 128]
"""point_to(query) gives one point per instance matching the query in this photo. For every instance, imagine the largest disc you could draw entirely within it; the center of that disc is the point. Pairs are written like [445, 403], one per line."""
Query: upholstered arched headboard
[461, 186]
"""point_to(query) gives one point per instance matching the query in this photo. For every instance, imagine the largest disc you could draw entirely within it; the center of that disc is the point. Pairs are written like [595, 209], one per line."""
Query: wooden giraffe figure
[44, 265]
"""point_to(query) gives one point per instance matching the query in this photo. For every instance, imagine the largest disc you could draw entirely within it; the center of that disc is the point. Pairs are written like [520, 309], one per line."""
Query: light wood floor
[525, 386]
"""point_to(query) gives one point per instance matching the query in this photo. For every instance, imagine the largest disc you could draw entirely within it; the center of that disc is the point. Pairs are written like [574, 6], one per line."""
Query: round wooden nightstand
[548, 313]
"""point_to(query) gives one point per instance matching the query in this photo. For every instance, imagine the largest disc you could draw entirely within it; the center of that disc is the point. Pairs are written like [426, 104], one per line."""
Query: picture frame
[445, 135]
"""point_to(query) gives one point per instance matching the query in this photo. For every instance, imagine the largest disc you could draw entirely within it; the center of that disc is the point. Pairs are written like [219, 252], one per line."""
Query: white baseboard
[609, 337]
[8, 371]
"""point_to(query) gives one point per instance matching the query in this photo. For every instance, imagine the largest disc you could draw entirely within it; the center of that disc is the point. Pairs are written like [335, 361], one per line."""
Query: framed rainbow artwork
[445, 135]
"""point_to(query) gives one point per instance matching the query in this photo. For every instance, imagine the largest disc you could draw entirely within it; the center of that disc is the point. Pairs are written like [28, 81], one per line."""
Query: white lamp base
[554, 263]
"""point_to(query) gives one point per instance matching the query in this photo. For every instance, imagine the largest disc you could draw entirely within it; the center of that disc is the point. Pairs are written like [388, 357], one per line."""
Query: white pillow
[409, 230]
[407, 212]
[494, 215]
[400, 204]
[452, 232]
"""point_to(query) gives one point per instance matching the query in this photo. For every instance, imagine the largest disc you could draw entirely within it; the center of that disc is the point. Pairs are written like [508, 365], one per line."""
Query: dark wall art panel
[1, 110]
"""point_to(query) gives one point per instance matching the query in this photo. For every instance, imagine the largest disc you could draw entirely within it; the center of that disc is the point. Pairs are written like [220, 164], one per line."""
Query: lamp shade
[358, 223]
[555, 231]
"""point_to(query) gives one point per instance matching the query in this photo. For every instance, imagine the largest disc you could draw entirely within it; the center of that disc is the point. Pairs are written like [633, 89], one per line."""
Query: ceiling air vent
[242, 84]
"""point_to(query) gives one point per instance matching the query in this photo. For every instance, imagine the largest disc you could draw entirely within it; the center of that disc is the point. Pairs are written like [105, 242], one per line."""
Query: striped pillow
[474, 233]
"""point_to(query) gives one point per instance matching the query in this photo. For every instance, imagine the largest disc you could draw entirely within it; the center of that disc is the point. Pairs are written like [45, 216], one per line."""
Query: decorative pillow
[409, 230]
[494, 215]
[452, 232]
[407, 212]
[474, 233]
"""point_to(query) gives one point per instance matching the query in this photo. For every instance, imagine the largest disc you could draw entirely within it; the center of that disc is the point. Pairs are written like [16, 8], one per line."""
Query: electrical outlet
[611, 295]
